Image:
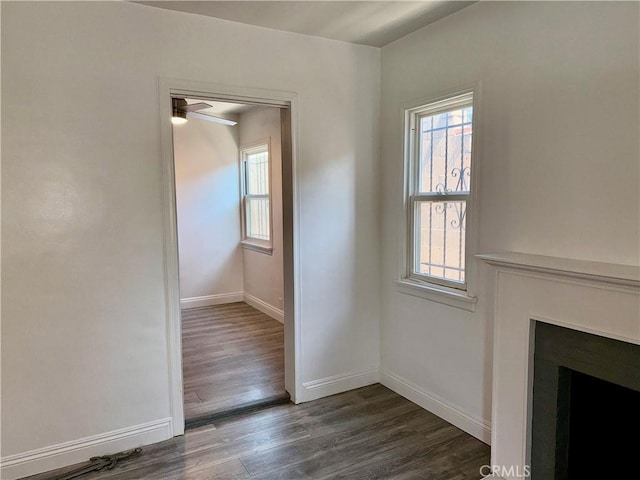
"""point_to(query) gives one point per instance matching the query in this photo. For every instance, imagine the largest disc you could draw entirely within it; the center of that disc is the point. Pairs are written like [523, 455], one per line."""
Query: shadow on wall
[207, 195]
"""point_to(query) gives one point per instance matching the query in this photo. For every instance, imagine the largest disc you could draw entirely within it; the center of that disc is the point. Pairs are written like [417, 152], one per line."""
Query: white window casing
[439, 199]
[255, 197]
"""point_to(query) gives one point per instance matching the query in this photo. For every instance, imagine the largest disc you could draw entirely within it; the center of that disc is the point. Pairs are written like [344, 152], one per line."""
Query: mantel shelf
[609, 273]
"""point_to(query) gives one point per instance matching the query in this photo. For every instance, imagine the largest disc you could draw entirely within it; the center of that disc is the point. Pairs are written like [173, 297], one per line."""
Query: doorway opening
[232, 325]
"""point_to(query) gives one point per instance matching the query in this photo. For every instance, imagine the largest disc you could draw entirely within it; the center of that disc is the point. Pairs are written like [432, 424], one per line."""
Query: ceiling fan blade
[210, 118]
[195, 106]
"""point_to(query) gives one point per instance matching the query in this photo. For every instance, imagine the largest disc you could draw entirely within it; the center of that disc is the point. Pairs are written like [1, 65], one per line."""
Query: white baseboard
[338, 383]
[264, 307]
[479, 428]
[208, 300]
[233, 297]
[77, 451]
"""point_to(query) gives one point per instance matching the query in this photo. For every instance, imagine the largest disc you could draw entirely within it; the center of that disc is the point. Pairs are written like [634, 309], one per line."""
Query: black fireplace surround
[586, 406]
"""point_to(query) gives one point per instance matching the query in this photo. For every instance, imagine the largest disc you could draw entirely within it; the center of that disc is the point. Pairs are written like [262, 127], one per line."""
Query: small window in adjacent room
[256, 197]
[439, 191]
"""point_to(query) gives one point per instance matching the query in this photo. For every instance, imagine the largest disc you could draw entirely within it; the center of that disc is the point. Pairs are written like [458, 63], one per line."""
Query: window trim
[251, 243]
[439, 290]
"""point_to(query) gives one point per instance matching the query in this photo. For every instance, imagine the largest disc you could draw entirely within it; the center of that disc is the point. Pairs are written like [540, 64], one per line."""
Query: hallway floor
[233, 355]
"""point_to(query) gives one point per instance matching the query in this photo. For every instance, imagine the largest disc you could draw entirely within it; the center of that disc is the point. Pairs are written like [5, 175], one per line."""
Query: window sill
[437, 293]
[256, 247]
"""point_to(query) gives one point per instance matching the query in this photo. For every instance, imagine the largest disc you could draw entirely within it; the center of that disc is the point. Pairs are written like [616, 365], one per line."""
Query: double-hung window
[256, 197]
[439, 192]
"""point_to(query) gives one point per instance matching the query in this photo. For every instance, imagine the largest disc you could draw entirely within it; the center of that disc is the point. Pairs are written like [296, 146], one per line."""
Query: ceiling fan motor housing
[179, 105]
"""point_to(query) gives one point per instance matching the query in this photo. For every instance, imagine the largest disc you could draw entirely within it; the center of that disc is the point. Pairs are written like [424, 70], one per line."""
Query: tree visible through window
[256, 193]
[440, 149]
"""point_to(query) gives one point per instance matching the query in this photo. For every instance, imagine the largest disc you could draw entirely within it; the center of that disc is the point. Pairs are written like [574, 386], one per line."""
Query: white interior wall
[558, 169]
[84, 342]
[263, 273]
[82, 222]
[207, 195]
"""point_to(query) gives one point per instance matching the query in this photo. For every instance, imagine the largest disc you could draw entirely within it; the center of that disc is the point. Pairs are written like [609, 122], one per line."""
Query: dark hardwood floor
[369, 433]
[233, 355]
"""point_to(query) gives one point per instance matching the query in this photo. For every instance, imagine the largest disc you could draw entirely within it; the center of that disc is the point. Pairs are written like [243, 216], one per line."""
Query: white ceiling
[374, 23]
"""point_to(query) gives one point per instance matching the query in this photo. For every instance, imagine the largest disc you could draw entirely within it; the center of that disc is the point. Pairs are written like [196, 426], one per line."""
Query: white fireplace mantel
[593, 297]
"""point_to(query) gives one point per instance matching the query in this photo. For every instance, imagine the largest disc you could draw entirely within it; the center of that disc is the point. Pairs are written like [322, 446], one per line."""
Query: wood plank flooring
[369, 433]
[233, 355]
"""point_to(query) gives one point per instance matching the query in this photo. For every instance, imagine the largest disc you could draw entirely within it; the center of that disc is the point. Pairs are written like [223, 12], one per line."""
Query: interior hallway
[233, 355]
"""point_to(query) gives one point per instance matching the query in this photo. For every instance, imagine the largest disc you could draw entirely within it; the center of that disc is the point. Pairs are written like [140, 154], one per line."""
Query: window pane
[257, 173]
[257, 217]
[439, 244]
[445, 151]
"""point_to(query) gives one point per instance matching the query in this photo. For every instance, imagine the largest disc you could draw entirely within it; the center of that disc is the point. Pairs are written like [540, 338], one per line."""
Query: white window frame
[433, 288]
[251, 243]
